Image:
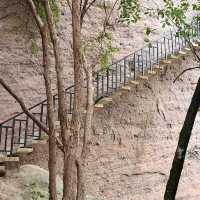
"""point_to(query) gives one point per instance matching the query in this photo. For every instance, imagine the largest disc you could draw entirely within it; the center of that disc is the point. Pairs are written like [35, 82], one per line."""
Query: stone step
[187, 49]
[99, 105]
[117, 94]
[12, 163]
[174, 57]
[144, 77]
[2, 170]
[182, 53]
[197, 41]
[194, 44]
[158, 67]
[165, 62]
[23, 151]
[135, 82]
[151, 72]
[126, 88]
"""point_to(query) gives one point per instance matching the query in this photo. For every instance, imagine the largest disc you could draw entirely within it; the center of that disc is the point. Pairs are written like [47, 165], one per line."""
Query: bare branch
[36, 16]
[69, 4]
[188, 69]
[85, 8]
[22, 104]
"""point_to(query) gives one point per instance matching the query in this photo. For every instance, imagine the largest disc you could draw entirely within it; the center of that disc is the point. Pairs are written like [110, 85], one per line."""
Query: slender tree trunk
[76, 13]
[50, 108]
[67, 139]
[69, 180]
[50, 115]
[80, 163]
[184, 137]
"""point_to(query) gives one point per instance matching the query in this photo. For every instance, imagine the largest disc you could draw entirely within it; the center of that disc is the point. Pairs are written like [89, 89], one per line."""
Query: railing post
[26, 131]
[124, 71]
[12, 136]
[142, 63]
[102, 84]
[107, 77]
[165, 48]
[6, 138]
[97, 85]
[116, 76]
[134, 67]
[157, 59]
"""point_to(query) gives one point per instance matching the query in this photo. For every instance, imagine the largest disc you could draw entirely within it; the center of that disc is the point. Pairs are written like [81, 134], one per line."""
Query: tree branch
[86, 7]
[36, 16]
[22, 104]
[28, 113]
[188, 69]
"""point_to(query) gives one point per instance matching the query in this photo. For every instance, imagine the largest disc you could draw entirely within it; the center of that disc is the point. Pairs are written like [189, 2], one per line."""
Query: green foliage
[174, 14]
[37, 193]
[107, 51]
[102, 43]
[54, 6]
[34, 47]
[129, 11]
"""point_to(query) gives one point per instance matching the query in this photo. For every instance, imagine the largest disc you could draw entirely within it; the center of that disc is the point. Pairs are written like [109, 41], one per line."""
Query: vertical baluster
[172, 44]
[134, 67]
[175, 37]
[12, 136]
[120, 71]
[124, 71]
[138, 61]
[41, 118]
[0, 133]
[102, 82]
[146, 60]
[112, 71]
[169, 49]
[157, 59]
[116, 74]
[33, 129]
[20, 129]
[150, 63]
[70, 103]
[165, 48]
[54, 102]
[26, 131]
[97, 77]
[179, 45]
[107, 77]
[6, 139]
[161, 50]
[142, 58]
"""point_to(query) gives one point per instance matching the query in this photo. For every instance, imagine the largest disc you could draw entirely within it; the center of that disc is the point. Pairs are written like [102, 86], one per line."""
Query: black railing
[20, 130]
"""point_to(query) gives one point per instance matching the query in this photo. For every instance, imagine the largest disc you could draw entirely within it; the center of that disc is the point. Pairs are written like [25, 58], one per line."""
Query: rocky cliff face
[21, 67]
[135, 137]
[134, 140]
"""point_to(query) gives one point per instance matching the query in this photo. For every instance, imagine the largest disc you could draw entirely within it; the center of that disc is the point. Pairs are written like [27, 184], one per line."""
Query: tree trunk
[69, 179]
[50, 115]
[181, 150]
[80, 163]
[76, 13]
[67, 139]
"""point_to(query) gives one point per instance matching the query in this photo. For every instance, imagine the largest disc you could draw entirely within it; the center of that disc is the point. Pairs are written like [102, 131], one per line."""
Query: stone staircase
[19, 133]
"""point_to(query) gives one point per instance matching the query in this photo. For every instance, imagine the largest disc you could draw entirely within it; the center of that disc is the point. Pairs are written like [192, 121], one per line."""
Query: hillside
[133, 138]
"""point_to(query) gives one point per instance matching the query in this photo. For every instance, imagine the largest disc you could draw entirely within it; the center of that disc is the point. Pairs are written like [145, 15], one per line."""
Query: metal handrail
[19, 130]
